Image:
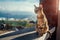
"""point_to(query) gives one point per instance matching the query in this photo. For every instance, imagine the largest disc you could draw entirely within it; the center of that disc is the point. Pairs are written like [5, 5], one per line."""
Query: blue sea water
[18, 15]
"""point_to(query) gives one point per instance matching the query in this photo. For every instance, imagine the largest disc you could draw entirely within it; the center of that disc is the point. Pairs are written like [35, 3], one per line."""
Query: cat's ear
[35, 6]
[35, 9]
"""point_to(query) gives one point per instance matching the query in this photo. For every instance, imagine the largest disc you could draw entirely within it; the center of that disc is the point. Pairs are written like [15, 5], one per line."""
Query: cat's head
[40, 8]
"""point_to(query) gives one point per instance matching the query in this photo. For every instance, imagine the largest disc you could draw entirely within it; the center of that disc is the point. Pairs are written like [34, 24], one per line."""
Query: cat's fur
[42, 23]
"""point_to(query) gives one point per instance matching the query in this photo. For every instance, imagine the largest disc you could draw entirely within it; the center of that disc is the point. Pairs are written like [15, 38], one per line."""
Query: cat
[42, 22]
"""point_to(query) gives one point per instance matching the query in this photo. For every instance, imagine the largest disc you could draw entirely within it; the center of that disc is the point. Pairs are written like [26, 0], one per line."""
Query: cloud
[22, 0]
[18, 6]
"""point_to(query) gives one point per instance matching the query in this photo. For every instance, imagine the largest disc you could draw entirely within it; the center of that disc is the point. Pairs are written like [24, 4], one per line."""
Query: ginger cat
[42, 23]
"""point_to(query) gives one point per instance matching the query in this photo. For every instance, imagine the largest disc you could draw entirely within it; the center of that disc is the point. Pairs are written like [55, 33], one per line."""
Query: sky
[17, 7]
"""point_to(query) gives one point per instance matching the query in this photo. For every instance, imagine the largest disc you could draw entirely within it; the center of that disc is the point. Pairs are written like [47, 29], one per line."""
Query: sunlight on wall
[59, 4]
